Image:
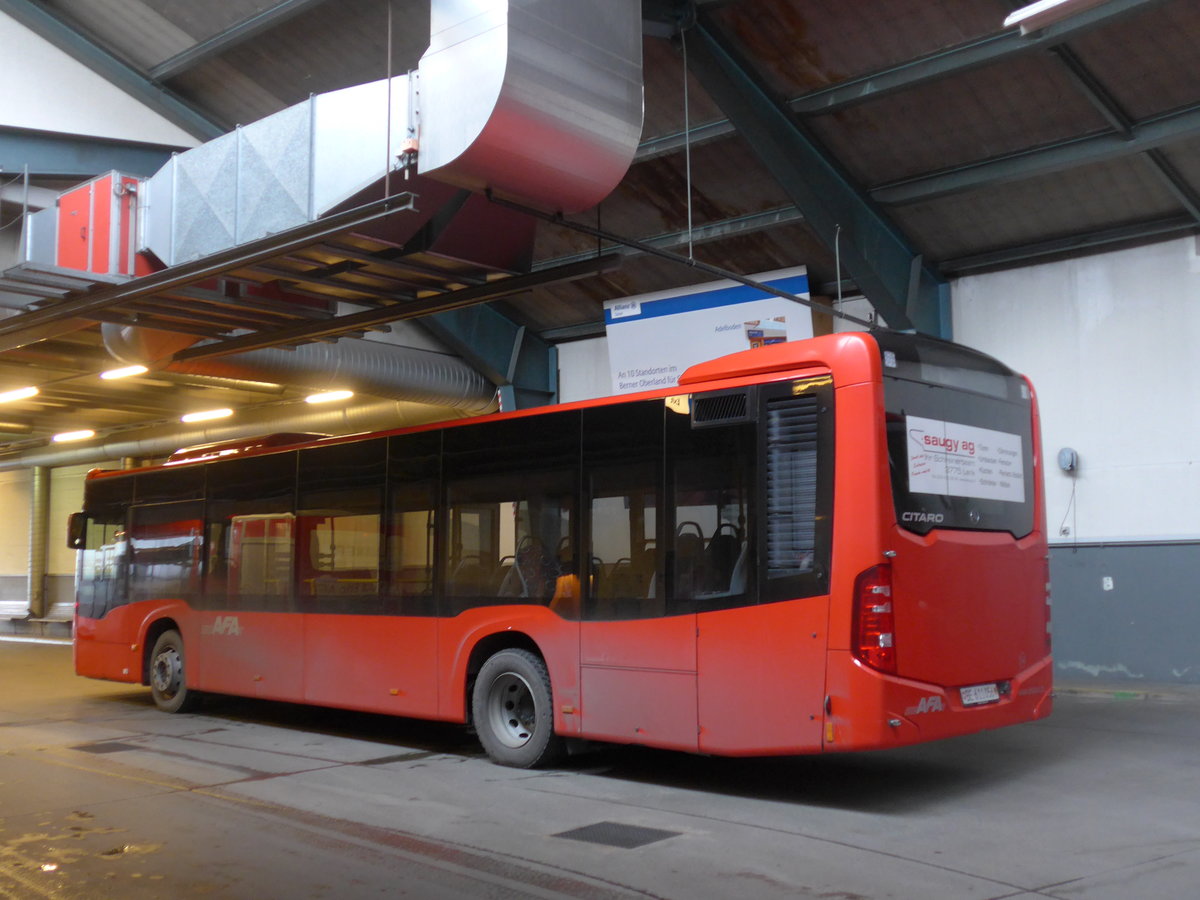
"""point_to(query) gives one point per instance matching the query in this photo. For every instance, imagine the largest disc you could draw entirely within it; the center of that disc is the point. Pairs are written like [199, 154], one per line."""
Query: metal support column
[890, 273]
[39, 522]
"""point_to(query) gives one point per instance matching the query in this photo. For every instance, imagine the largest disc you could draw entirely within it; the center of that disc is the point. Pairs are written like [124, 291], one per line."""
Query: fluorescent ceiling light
[18, 394]
[81, 435]
[123, 372]
[1047, 12]
[328, 396]
[205, 415]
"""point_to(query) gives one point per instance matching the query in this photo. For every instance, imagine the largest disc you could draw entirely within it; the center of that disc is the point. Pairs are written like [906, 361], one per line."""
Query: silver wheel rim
[511, 710]
[167, 672]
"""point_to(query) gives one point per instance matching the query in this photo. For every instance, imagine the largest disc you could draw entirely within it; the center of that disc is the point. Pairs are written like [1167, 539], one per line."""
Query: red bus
[824, 545]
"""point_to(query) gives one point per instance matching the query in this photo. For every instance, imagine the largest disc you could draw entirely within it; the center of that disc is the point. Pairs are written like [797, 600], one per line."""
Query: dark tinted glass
[623, 474]
[103, 569]
[106, 499]
[251, 522]
[170, 484]
[711, 478]
[413, 467]
[165, 551]
[339, 512]
[959, 431]
[511, 529]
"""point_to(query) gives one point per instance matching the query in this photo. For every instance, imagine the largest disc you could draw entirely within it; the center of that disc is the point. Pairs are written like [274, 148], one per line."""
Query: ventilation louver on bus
[724, 408]
[792, 434]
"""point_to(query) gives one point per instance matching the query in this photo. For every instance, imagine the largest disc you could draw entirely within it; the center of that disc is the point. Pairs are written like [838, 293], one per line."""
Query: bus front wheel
[513, 712]
[168, 686]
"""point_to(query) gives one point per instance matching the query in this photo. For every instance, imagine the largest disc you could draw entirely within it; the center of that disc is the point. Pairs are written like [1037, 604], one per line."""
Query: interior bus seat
[721, 556]
[469, 578]
[536, 570]
[505, 580]
[737, 580]
[690, 565]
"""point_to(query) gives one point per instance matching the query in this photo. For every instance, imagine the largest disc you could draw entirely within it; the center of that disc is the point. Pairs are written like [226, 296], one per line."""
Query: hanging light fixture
[18, 394]
[206, 415]
[123, 372]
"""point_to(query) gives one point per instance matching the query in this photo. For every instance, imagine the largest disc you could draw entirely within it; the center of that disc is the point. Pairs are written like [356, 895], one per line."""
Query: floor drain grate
[614, 834]
[107, 747]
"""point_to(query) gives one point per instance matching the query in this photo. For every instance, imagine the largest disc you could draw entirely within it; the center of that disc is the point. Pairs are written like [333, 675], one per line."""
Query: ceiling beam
[958, 59]
[405, 309]
[871, 249]
[710, 231]
[38, 20]
[1040, 251]
[50, 155]
[224, 41]
[1149, 134]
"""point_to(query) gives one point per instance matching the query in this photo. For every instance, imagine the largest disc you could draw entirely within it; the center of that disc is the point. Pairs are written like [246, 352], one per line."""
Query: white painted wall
[15, 493]
[66, 497]
[1111, 343]
[48, 90]
[583, 370]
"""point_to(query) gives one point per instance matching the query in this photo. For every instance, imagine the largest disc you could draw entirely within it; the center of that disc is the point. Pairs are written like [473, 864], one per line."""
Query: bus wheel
[167, 684]
[513, 714]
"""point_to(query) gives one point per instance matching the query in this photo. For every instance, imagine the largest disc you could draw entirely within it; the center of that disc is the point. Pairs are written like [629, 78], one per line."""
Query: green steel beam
[38, 20]
[226, 40]
[50, 155]
[1148, 134]
[905, 292]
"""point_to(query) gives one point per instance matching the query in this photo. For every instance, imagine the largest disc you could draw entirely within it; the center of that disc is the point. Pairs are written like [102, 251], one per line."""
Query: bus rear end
[949, 625]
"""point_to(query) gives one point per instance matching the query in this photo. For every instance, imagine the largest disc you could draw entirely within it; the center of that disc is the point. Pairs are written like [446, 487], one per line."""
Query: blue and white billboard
[653, 338]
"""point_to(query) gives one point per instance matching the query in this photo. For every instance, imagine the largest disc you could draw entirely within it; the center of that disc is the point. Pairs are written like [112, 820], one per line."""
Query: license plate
[979, 693]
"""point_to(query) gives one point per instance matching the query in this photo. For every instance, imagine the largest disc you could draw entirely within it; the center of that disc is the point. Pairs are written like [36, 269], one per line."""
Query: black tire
[168, 686]
[513, 708]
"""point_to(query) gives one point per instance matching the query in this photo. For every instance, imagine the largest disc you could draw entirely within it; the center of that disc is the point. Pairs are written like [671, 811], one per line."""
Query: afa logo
[932, 703]
[223, 625]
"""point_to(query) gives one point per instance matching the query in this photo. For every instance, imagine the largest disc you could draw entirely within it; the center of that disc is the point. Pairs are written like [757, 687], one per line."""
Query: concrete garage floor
[101, 796]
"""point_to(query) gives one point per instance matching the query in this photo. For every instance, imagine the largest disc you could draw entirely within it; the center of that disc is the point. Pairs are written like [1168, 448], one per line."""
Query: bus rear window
[960, 446]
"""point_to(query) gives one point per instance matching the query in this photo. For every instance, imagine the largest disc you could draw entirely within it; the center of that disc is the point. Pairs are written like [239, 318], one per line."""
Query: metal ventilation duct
[369, 367]
[158, 442]
[539, 100]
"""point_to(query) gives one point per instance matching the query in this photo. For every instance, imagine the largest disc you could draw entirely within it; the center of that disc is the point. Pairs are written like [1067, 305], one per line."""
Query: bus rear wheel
[513, 711]
[168, 686]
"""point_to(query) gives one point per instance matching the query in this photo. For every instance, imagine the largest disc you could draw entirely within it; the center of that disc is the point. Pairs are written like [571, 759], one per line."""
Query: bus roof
[856, 354]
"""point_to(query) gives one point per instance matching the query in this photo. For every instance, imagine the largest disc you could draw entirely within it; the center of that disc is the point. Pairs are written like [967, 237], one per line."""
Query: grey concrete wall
[1143, 626]
[60, 596]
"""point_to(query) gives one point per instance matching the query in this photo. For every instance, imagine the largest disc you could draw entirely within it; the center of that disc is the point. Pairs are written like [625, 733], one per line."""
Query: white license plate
[979, 693]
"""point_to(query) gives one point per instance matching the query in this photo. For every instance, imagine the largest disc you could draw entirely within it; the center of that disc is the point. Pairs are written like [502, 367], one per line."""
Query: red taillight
[874, 639]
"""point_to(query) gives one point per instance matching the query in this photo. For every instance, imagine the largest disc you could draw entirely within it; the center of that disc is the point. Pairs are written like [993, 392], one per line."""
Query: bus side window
[339, 522]
[511, 521]
[103, 567]
[165, 550]
[623, 559]
[712, 486]
[250, 533]
[625, 554]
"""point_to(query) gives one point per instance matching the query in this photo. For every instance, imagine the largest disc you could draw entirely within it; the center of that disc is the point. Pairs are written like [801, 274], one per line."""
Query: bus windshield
[960, 442]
